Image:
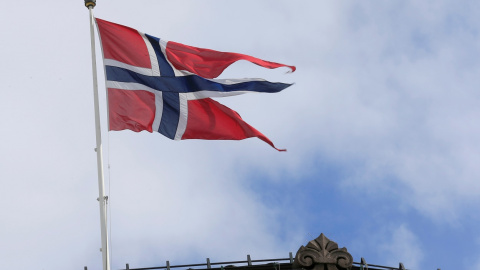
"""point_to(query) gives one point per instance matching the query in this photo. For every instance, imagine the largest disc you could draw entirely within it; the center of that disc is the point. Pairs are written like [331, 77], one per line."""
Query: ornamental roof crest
[322, 254]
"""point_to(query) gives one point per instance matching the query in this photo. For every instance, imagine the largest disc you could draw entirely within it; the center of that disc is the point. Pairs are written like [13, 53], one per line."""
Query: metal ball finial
[90, 3]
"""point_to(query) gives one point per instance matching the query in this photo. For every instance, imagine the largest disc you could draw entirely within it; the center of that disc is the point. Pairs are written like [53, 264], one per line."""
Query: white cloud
[401, 245]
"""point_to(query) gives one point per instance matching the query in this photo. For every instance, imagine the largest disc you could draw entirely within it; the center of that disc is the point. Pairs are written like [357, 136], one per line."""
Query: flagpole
[102, 199]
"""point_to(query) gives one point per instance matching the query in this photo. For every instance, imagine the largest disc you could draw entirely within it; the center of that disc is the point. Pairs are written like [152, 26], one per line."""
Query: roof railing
[249, 262]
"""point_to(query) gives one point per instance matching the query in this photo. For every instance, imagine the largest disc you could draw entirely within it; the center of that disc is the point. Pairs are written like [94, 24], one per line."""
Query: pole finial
[90, 3]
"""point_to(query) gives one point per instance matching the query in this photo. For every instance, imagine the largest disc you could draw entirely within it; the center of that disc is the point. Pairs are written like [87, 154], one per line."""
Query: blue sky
[381, 128]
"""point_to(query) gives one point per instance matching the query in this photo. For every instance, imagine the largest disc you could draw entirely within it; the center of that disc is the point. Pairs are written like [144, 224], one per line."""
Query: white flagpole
[102, 199]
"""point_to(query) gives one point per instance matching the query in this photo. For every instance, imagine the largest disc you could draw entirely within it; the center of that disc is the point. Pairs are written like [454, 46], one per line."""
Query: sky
[381, 128]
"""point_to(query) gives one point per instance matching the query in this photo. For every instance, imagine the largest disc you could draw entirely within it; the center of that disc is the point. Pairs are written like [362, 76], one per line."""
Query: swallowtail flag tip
[167, 87]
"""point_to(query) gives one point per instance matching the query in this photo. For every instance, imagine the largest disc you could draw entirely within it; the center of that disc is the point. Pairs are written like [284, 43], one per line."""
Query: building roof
[319, 254]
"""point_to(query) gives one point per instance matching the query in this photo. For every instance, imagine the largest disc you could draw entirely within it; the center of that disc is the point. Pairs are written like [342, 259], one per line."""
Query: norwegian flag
[164, 86]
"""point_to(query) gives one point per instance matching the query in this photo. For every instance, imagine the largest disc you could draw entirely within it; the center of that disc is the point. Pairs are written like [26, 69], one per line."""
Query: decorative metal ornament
[322, 254]
[90, 3]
